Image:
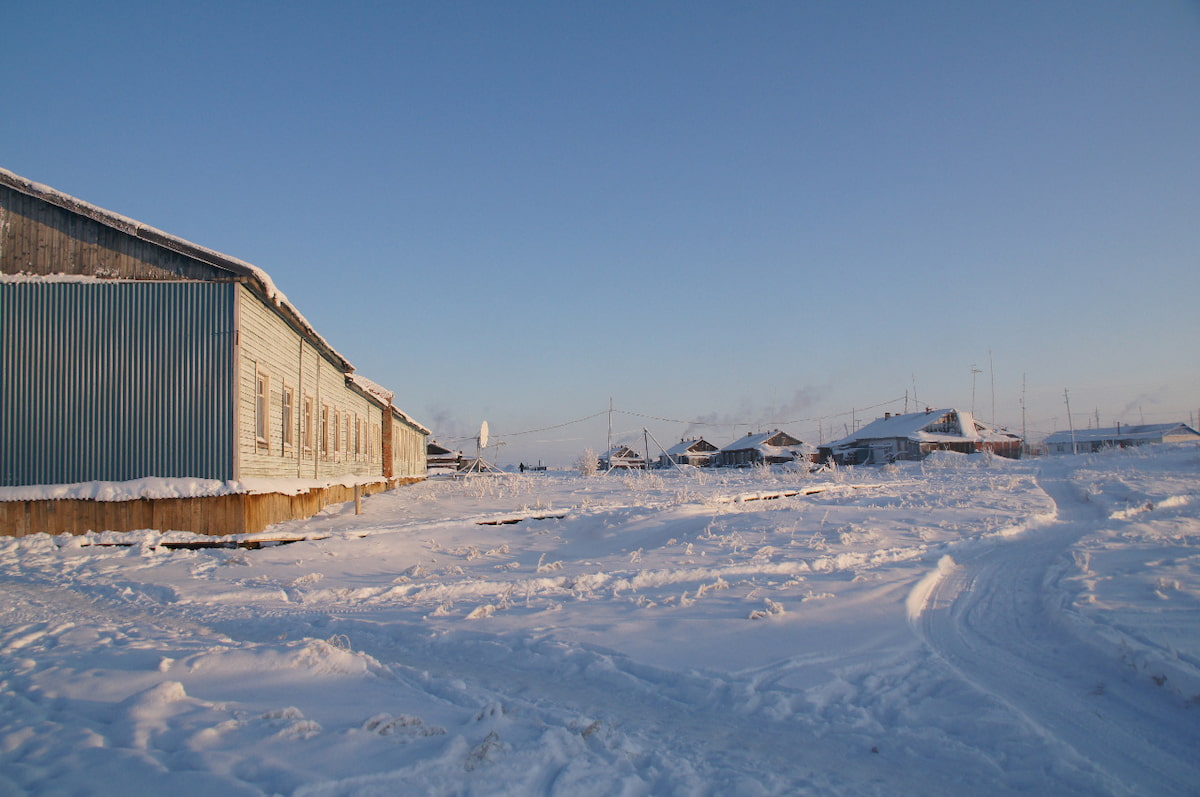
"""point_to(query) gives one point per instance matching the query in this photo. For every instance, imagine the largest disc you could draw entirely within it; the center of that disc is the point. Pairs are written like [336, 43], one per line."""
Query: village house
[1120, 436]
[913, 435]
[130, 353]
[765, 448]
[698, 452]
[622, 457]
[439, 459]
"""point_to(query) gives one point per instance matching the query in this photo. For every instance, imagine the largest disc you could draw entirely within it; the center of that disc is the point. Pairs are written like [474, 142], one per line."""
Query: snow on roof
[923, 427]
[621, 452]
[759, 442]
[1143, 432]
[410, 421]
[380, 393]
[685, 446]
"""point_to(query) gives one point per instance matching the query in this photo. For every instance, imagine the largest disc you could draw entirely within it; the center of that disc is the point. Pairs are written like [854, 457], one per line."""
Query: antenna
[480, 465]
[974, 371]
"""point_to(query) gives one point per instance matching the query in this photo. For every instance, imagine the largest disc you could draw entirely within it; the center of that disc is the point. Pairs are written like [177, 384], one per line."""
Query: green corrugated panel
[115, 380]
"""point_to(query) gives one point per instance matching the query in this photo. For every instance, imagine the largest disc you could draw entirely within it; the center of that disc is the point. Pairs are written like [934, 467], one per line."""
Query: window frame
[262, 410]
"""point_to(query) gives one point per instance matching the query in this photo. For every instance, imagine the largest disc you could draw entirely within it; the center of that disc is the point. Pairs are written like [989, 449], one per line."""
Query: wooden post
[358, 499]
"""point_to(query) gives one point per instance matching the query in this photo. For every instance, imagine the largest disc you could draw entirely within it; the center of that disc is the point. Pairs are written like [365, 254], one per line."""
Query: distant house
[698, 452]
[129, 353]
[765, 448]
[913, 435]
[439, 459]
[1088, 440]
[622, 457]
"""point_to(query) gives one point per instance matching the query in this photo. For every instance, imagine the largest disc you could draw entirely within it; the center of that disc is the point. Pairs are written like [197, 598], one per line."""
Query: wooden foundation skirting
[240, 513]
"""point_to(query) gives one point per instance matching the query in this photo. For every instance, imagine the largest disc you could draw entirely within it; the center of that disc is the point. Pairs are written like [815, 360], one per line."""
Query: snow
[164, 487]
[913, 426]
[966, 624]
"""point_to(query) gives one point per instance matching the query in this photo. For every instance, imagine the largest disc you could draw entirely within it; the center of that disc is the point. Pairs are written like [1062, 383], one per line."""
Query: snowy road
[998, 619]
[639, 634]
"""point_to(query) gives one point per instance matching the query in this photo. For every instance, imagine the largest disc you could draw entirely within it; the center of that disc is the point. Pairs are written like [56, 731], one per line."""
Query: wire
[691, 423]
[781, 423]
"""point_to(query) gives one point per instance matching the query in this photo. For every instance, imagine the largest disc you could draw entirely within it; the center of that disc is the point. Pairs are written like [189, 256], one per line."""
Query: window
[346, 431]
[325, 430]
[307, 421]
[262, 409]
[337, 428]
[289, 416]
[357, 437]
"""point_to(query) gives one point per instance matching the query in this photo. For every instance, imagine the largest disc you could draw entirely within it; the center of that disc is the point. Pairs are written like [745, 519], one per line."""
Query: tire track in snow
[996, 620]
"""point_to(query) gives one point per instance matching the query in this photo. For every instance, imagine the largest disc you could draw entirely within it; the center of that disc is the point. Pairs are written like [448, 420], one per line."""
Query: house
[1120, 436]
[913, 435]
[130, 353]
[622, 457]
[698, 452]
[765, 448]
[439, 459]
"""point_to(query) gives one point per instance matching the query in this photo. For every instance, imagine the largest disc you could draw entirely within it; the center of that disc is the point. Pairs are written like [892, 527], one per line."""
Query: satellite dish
[483, 435]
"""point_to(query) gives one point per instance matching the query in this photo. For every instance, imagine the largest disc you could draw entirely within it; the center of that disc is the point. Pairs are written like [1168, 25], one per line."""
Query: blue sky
[746, 214]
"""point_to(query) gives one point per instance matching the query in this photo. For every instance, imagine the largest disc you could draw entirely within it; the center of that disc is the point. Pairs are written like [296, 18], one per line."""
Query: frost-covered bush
[587, 464]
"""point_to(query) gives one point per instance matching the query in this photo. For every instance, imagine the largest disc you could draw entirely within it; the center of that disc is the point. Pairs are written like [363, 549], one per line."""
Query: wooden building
[128, 353]
[1083, 441]
[622, 457]
[914, 435]
[698, 452]
[439, 459]
[765, 448]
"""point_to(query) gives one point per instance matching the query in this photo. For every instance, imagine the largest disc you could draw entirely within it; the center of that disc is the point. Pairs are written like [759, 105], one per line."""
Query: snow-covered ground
[966, 625]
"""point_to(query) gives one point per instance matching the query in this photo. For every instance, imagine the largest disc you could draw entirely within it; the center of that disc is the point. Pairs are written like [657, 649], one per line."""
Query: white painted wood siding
[268, 345]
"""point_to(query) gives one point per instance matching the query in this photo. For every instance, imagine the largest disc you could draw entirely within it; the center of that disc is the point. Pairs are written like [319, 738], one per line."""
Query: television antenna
[480, 465]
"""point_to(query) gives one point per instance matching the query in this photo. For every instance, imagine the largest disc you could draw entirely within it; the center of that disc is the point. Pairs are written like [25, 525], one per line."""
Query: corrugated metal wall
[115, 381]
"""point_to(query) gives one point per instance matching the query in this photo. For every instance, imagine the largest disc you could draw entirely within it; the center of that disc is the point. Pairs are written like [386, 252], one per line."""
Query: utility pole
[992, 369]
[1024, 436]
[610, 412]
[1070, 424]
[974, 371]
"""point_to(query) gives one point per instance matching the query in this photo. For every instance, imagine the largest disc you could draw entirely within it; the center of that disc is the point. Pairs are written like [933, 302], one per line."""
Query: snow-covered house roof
[1142, 433]
[765, 442]
[699, 445]
[946, 425]
[622, 455]
[773, 447]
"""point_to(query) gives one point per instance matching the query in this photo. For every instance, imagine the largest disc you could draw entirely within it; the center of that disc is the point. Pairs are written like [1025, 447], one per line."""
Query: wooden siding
[405, 449]
[268, 345]
[40, 238]
[224, 514]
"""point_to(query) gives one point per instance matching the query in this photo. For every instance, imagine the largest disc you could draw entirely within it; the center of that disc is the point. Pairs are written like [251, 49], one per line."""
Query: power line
[812, 419]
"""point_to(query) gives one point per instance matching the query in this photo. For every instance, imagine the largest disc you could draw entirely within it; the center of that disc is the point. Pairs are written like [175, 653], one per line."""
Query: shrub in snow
[588, 463]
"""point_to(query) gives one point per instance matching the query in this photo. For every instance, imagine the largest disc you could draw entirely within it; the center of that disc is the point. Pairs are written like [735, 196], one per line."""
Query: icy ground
[962, 626]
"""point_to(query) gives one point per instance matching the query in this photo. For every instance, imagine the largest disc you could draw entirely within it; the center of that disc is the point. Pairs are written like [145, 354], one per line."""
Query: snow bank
[156, 487]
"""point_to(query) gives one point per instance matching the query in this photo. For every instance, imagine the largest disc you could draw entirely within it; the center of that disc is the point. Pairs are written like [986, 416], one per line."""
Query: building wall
[110, 381]
[344, 431]
[407, 450]
[37, 237]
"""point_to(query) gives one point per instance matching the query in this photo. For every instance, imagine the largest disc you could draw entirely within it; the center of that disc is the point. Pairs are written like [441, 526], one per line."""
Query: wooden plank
[214, 515]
